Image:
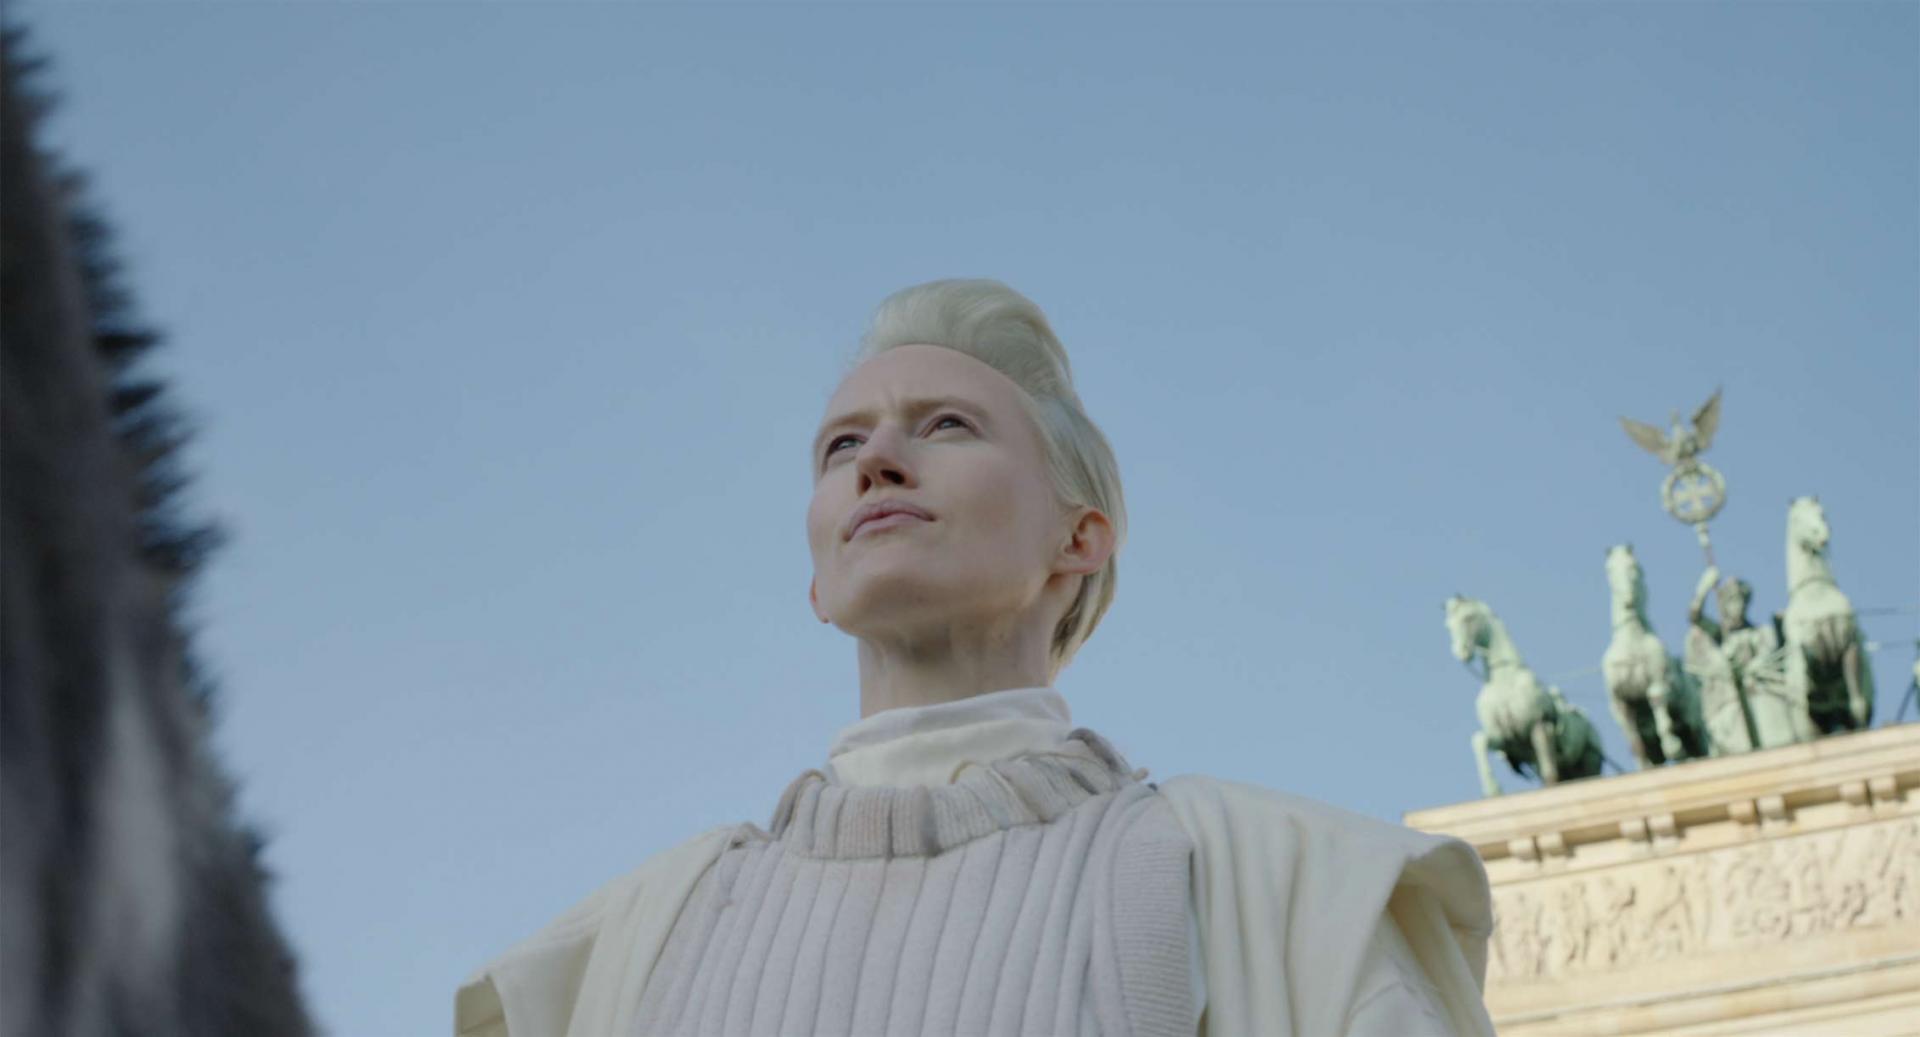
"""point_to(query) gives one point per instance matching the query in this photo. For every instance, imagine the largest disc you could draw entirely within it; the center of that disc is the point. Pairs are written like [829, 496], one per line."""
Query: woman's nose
[880, 459]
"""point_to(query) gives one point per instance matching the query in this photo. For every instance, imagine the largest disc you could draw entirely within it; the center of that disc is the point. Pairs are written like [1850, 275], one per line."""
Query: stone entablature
[1771, 892]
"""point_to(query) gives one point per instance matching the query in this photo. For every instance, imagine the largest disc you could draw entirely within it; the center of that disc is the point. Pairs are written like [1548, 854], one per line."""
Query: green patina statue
[1538, 731]
[1826, 662]
[1743, 692]
[1654, 700]
[1805, 677]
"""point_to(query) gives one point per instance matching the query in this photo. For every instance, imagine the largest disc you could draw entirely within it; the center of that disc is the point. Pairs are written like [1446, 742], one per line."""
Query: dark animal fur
[131, 899]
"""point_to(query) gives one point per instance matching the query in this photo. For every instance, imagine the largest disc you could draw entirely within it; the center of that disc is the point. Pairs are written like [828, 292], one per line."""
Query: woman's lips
[898, 518]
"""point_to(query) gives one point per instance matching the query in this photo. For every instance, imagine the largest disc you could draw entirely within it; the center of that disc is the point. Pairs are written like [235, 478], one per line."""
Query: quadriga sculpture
[1653, 699]
[1537, 730]
[1826, 664]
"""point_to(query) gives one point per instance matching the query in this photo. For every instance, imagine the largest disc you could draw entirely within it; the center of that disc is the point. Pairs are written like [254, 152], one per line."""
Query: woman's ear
[1091, 544]
[813, 598]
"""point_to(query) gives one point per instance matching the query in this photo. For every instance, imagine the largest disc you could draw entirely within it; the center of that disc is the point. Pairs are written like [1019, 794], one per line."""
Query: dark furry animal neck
[131, 898]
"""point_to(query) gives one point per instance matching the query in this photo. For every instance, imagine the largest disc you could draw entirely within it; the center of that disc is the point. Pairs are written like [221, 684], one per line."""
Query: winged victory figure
[1683, 442]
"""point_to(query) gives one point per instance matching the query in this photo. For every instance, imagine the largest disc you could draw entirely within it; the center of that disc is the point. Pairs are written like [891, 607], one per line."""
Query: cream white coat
[1310, 920]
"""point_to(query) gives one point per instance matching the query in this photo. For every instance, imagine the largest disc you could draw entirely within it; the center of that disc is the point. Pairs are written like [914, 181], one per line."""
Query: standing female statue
[1745, 702]
[967, 861]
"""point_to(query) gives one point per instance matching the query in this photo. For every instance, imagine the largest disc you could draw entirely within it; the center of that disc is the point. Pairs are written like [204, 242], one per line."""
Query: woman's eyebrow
[915, 407]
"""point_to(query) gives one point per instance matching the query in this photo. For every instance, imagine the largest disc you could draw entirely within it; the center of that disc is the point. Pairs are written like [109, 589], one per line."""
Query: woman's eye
[834, 446]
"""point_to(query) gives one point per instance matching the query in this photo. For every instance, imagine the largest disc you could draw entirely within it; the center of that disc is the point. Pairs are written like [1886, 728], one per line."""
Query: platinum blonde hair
[1005, 330]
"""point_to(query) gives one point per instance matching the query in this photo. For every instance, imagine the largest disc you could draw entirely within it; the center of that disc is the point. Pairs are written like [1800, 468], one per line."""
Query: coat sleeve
[1395, 998]
[1291, 894]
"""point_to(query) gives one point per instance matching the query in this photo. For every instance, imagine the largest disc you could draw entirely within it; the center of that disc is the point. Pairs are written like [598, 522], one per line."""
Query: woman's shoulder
[661, 868]
[1293, 884]
[1219, 801]
[1305, 841]
[543, 971]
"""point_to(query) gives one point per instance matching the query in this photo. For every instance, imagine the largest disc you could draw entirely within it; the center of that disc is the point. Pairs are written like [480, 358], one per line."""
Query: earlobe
[813, 598]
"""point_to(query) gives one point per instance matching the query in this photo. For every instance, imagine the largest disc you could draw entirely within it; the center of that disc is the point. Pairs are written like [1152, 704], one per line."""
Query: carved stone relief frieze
[1768, 891]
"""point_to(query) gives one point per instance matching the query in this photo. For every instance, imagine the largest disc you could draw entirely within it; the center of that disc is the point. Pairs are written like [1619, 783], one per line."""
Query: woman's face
[932, 427]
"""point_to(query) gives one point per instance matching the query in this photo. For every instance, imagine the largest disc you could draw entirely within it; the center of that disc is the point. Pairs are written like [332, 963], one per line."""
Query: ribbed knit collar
[820, 817]
[920, 780]
[924, 745]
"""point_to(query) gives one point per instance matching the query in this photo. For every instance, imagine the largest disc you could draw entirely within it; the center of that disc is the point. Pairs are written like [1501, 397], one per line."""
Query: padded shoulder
[1311, 816]
[1443, 865]
[530, 989]
[1288, 889]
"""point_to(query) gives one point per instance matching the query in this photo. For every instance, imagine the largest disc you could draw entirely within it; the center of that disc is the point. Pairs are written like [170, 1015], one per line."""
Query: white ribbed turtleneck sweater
[924, 745]
[967, 868]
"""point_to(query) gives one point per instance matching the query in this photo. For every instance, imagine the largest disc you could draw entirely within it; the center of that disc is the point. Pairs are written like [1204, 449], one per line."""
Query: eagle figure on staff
[1682, 443]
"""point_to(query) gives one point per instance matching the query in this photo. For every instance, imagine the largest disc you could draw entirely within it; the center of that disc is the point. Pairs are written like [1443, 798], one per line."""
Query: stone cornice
[1865, 769]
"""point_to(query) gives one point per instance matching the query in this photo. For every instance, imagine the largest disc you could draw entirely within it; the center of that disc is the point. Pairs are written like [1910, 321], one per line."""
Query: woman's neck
[923, 745]
[893, 676]
[1035, 702]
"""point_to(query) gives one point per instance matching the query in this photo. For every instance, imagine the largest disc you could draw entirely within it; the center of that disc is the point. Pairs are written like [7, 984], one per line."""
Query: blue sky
[505, 327]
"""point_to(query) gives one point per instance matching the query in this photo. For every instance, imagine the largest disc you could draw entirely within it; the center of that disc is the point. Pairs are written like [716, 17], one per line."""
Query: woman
[968, 861]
